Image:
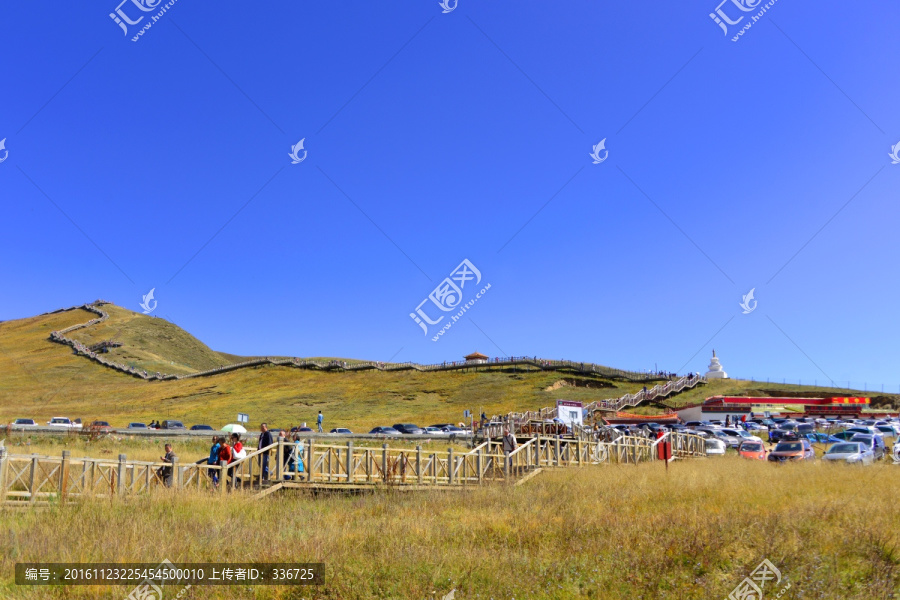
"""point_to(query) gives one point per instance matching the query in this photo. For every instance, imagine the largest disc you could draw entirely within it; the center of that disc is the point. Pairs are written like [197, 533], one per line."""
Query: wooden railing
[36, 478]
[518, 420]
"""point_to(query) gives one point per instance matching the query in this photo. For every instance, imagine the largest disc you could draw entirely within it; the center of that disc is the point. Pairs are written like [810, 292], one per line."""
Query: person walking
[226, 456]
[213, 460]
[165, 473]
[265, 439]
[319, 420]
[509, 445]
[237, 447]
[296, 463]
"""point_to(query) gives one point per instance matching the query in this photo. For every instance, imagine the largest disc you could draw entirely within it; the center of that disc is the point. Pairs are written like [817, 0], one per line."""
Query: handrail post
[450, 466]
[120, 483]
[578, 449]
[64, 475]
[479, 465]
[279, 458]
[419, 463]
[4, 469]
[350, 461]
[310, 462]
[384, 472]
[176, 474]
[31, 478]
[223, 476]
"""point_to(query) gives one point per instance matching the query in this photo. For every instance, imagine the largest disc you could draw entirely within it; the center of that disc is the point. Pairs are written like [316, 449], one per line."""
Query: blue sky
[434, 138]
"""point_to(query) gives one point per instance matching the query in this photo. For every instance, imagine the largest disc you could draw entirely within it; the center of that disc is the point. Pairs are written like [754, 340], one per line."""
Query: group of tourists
[225, 450]
[229, 451]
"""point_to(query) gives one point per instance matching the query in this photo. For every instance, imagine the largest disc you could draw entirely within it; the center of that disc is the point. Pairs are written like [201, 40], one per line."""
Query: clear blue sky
[433, 138]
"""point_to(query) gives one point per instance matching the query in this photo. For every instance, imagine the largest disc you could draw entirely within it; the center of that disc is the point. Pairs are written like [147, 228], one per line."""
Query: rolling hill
[40, 379]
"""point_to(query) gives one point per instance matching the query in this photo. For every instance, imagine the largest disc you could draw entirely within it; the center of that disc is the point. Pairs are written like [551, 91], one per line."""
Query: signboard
[243, 418]
[570, 413]
[467, 414]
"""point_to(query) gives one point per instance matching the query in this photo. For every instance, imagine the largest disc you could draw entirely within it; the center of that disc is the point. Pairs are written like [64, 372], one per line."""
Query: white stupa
[715, 369]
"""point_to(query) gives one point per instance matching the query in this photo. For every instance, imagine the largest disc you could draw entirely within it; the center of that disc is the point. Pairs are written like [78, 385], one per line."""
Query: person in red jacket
[225, 453]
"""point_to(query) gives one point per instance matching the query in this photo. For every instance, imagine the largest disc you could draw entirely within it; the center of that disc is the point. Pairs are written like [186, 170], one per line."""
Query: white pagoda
[715, 369]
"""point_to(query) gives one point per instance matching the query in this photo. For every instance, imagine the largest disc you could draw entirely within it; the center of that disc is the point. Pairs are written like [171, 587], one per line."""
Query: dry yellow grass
[614, 531]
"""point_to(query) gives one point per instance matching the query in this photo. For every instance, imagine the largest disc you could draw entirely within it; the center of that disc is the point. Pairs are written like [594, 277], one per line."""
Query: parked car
[822, 438]
[752, 449]
[745, 436]
[137, 426]
[201, 428]
[341, 431]
[865, 430]
[304, 430]
[732, 441]
[454, 430]
[408, 428]
[775, 435]
[101, 426]
[804, 428]
[792, 451]
[714, 447]
[172, 425]
[64, 422]
[850, 452]
[844, 436]
[435, 431]
[875, 442]
[749, 426]
[24, 423]
[897, 451]
[385, 431]
[887, 430]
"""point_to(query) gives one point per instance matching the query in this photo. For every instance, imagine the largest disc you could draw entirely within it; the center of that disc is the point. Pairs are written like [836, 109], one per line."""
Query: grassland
[41, 379]
[613, 531]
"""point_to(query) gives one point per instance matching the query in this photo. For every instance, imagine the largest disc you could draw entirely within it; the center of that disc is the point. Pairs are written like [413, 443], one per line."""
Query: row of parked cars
[438, 430]
[67, 423]
[859, 441]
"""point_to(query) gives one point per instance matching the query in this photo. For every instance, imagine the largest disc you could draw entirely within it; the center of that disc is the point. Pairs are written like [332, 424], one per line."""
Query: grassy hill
[41, 379]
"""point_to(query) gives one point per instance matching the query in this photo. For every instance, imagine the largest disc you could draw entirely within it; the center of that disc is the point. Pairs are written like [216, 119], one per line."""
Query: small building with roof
[476, 358]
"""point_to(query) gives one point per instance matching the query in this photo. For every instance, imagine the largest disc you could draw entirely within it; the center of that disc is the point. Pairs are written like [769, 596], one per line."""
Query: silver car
[850, 452]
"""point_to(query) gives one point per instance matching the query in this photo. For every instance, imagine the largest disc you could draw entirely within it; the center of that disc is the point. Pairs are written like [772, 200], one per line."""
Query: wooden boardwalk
[38, 480]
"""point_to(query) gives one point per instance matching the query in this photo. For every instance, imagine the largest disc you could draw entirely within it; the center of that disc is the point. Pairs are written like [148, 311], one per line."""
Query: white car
[436, 431]
[743, 435]
[64, 422]
[896, 452]
[715, 447]
[24, 423]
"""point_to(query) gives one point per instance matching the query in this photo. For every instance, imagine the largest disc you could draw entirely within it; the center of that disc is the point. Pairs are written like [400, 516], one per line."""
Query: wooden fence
[42, 479]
